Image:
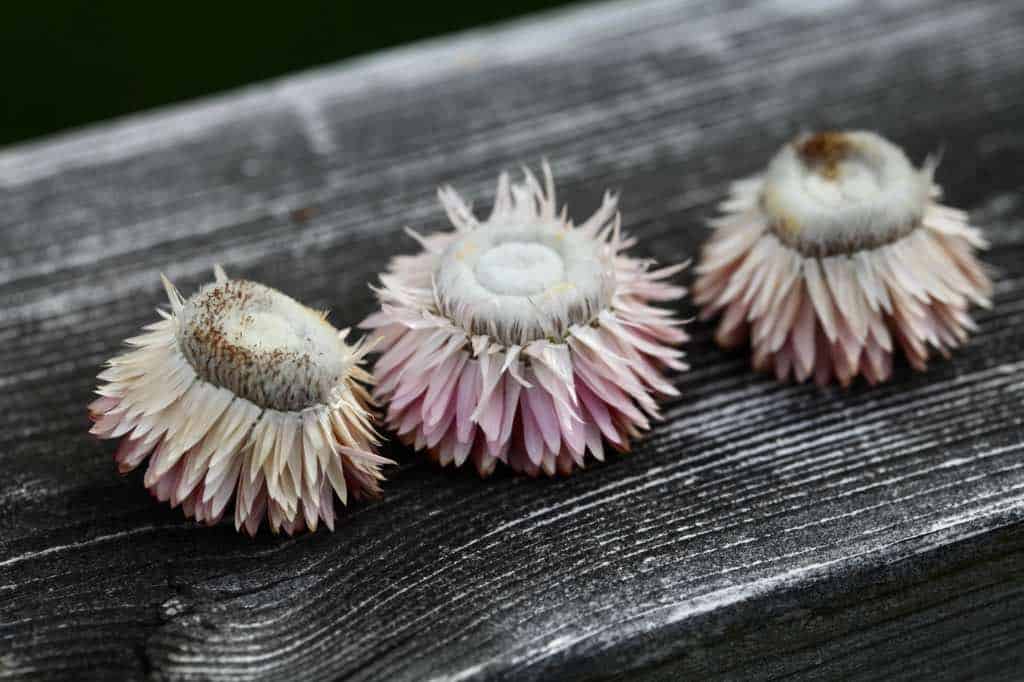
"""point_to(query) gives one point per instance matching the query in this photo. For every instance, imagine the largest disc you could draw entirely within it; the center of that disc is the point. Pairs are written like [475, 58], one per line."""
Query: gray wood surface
[762, 531]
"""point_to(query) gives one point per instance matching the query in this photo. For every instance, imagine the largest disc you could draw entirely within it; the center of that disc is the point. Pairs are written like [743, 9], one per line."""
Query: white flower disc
[833, 193]
[523, 281]
[262, 345]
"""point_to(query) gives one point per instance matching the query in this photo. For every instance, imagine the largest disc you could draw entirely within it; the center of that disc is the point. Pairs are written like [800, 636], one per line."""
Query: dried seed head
[241, 392]
[837, 254]
[523, 338]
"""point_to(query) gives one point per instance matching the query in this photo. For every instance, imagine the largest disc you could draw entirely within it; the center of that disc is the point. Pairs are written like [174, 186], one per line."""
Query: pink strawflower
[836, 255]
[242, 392]
[522, 338]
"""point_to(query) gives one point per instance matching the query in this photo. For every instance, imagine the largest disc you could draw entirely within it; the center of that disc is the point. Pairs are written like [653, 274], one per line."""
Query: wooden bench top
[761, 531]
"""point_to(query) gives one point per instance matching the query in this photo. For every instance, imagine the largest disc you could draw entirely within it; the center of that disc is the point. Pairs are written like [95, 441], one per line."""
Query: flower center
[519, 268]
[840, 192]
[262, 345]
[519, 283]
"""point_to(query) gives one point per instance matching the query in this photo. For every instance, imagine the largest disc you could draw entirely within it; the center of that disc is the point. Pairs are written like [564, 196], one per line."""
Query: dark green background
[70, 63]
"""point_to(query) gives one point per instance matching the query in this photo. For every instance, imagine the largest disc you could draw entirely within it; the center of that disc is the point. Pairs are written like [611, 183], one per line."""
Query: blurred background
[76, 62]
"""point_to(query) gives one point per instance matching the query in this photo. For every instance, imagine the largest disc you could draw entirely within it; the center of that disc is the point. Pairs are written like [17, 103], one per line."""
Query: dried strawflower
[836, 254]
[523, 338]
[242, 391]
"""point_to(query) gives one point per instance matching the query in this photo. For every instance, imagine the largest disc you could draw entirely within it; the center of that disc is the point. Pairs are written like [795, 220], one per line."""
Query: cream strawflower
[242, 392]
[836, 255]
[523, 338]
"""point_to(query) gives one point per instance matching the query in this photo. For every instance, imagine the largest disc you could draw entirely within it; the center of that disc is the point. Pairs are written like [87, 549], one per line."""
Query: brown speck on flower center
[824, 151]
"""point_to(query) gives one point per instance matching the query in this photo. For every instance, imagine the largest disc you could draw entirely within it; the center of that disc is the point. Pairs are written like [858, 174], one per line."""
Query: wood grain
[762, 531]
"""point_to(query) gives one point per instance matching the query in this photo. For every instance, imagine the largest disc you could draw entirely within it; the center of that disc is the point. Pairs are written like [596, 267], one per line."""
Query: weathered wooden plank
[762, 531]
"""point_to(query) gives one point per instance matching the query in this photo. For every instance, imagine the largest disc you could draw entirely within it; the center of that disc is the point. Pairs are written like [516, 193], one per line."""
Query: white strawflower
[242, 392]
[522, 338]
[835, 256]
